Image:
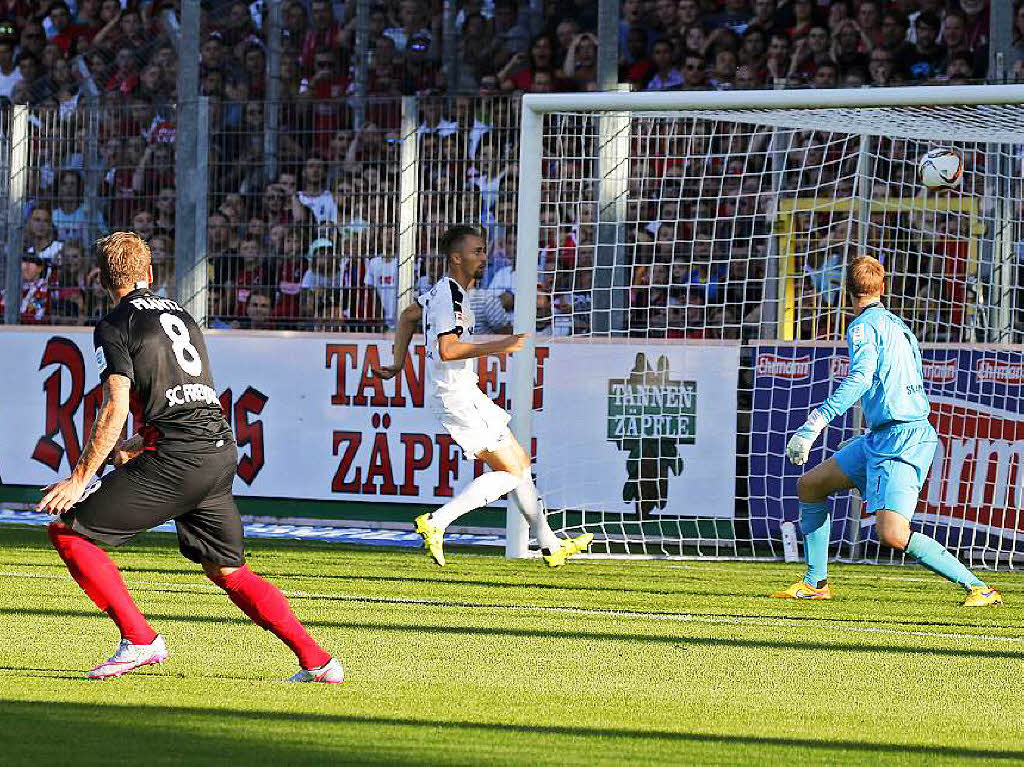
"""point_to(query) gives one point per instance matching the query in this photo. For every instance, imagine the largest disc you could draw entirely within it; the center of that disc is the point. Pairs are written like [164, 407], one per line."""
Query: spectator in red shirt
[869, 19]
[641, 67]
[810, 51]
[519, 73]
[325, 34]
[976, 17]
[252, 274]
[894, 31]
[239, 27]
[290, 270]
[35, 292]
[67, 35]
[765, 17]
[803, 18]
[125, 78]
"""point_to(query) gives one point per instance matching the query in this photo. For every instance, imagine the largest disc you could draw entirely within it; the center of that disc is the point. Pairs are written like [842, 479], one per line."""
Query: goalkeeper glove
[800, 443]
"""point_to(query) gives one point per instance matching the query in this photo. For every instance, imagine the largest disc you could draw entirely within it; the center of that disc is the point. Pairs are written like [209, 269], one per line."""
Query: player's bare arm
[61, 496]
[451, 348]
[128, 450]
[408, 320]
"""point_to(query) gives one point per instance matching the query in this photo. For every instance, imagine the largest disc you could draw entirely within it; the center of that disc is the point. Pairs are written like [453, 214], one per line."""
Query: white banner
[312, 423]
[628, 425]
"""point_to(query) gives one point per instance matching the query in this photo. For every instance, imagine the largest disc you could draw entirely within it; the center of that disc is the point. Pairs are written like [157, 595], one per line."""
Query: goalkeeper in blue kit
[890, 462]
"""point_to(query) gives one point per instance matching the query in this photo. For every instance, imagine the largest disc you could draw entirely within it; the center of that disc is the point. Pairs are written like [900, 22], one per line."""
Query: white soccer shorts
[473, 420]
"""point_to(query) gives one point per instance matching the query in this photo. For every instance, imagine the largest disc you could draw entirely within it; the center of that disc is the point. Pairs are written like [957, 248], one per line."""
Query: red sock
[97, 574]
[264, 603]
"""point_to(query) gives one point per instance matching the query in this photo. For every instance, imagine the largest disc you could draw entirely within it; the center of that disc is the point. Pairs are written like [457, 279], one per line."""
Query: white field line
[671, 617]
[843, 577]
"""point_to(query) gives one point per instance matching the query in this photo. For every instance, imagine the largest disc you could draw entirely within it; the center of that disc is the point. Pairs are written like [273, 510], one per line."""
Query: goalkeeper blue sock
[933, 555]
[816, 525]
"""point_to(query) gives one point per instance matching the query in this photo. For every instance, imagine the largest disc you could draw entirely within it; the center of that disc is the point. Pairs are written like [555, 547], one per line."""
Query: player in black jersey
[180, 466]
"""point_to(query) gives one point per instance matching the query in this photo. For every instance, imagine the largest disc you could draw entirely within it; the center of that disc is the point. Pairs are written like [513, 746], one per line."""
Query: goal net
[681, 262]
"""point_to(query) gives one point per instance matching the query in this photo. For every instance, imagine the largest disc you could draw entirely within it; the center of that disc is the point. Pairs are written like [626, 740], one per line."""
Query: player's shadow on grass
[570, 636]
[353, 739]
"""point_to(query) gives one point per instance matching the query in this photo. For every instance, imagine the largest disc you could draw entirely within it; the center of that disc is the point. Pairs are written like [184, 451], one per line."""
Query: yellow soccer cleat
[982, 596]
[804, 590]
[433, 537]
[568, 548]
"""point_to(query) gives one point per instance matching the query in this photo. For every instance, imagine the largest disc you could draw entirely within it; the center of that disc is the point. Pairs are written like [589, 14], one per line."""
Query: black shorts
[193, 489]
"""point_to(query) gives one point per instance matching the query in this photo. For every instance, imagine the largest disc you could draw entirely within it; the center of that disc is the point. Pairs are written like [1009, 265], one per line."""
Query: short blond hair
[866, 277]
[124, 260]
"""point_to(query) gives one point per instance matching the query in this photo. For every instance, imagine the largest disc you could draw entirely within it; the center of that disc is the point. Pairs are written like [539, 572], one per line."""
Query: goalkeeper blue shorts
[889, 466]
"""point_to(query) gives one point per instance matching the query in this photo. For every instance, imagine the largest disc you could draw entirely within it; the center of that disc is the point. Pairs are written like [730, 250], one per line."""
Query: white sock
[529, 504]
[483, 490]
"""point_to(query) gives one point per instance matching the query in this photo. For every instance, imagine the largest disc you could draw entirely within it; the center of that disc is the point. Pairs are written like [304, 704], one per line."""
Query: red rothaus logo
[998, 371]
[783, 367]
[977, 477]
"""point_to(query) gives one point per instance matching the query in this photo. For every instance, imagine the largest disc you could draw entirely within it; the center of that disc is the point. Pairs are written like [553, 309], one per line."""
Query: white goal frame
[619, 105]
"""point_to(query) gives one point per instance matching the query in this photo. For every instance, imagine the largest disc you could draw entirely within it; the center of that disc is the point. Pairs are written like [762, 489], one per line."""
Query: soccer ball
[940, 168]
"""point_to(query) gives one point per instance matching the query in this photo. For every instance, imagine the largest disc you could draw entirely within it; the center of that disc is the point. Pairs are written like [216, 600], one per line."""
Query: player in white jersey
[477, 424]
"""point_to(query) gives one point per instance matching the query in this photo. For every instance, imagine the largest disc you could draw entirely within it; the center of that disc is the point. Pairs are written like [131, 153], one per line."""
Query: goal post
[663, 432]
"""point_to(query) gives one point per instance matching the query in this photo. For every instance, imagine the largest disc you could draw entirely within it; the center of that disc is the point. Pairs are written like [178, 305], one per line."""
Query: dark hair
[963, 56]
[77, 176]
[897, 16]
[955, 12]
[452, 239]
[929, 19]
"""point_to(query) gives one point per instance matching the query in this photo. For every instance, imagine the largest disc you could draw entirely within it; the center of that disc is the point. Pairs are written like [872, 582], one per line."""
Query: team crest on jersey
[101, 359]
[858, 336]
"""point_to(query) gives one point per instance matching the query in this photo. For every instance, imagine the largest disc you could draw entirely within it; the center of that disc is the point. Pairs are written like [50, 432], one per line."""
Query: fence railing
[333, 227]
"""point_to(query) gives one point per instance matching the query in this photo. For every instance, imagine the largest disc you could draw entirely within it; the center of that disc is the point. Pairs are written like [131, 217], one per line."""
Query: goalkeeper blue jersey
[885, 371]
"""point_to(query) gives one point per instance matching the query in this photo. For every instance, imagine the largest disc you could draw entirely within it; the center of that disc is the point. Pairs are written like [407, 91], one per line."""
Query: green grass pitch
[499, 662]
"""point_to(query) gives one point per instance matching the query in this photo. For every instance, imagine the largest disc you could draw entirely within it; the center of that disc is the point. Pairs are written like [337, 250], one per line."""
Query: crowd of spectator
[303, 232]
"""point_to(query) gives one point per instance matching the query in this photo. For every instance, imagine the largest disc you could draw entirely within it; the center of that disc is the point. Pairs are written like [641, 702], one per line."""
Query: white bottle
[790, 551]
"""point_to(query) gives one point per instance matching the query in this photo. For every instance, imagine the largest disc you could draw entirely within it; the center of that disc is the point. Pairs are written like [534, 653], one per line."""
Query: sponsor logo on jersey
[649, 416]
[185, 393]
[857, 334]
[998, 371]
[783, 367]
[101, 359]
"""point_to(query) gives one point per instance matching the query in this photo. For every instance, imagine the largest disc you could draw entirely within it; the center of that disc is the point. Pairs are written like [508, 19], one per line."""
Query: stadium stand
[313, 245]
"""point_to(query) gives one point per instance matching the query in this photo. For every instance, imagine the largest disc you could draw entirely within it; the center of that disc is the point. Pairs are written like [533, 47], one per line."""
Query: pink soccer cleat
[331, 672]
[130, 656]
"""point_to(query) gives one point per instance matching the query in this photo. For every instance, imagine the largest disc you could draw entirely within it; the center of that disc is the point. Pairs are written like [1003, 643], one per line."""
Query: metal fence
[320, 225]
